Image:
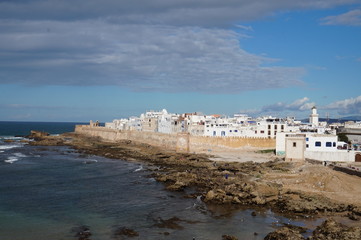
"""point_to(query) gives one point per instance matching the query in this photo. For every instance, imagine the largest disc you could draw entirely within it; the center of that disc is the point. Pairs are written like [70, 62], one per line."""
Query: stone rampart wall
[202, 143]
[181, 142]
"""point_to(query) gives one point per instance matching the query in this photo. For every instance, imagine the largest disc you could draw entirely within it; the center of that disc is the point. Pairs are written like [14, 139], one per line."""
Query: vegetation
[266, 151]
[342, 137]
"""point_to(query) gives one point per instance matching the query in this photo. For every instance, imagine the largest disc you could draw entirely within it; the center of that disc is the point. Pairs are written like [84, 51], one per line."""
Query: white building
[321, 147]
[167, 122]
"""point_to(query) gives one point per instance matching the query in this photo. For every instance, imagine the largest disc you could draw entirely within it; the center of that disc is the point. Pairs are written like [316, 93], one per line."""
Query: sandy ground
[340, 187]
[307, 177]
[240, 155]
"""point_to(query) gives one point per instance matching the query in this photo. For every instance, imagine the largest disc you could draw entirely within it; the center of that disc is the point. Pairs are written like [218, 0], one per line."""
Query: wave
[11, 138]
[139, 169]
[90, 161]
[21, 155]
[6, 147]
[11, 160]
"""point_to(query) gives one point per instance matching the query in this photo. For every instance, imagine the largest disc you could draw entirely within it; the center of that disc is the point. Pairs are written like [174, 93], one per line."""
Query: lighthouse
[314, 117]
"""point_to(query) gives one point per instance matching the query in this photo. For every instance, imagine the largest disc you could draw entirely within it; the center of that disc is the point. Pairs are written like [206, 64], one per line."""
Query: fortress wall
[168, 141]
[202, 143]
[182, 142]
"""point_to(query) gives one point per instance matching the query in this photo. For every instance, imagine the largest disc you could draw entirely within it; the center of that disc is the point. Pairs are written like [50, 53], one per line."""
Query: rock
[259, 201]
[38, 134]
[330, 229]
[228, 237]
[171, 223]
[353, 216]
[178, 186]
[123, 231]
[284, 233]
[236, 200]
[209, 196]
[81, 232]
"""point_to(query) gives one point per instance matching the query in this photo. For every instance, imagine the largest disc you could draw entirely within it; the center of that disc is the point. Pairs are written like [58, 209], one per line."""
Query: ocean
[55, 192]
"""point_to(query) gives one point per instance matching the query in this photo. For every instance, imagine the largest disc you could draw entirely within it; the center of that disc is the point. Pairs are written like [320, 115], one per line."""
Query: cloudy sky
[77, 60]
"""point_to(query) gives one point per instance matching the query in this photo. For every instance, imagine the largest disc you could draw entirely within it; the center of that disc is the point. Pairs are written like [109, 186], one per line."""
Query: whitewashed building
[320, 147]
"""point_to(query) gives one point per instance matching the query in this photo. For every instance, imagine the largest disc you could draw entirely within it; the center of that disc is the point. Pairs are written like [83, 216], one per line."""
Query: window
[317, 144]
[262, 131]
[294, 144]
[230, 130]
[282, 127]
[214, 133]
[307, 139]
[269, 126]
[269, 133]
[307, 146]
[328, 144]
[223, 133]
[275, 127]
[334, 144]
[235, 130]
[255, 132]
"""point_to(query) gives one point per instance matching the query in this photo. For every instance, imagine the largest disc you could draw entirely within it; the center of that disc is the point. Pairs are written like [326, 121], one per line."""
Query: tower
[314, 117]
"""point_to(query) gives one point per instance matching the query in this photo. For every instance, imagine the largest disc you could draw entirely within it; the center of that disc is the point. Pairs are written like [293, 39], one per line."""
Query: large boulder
[330, 230]
[284, 233]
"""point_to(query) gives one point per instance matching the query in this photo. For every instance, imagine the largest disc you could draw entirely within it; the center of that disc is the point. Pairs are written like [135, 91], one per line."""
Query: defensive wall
[182, 142]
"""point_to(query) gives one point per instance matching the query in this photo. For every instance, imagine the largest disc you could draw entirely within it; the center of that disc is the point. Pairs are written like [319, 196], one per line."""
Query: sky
[78, 60]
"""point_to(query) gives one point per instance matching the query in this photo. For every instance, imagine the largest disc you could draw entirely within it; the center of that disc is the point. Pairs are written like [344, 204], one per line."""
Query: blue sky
[80, 60]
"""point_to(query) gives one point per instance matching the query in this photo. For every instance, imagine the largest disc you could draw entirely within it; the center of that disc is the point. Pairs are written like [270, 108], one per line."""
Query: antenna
[327, 117]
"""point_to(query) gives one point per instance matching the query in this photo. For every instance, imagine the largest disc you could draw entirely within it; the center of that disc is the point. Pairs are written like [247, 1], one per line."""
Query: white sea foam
[11, 138]
[5, 147]
[20, 155]
[90, 161]
[139, 169]
[11, 160]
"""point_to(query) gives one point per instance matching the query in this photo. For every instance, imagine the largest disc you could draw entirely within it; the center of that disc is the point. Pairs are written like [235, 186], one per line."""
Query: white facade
[264, 128]
[134, 124]
[321, 147]
[119, 124]
[167, 122]
[321, 142]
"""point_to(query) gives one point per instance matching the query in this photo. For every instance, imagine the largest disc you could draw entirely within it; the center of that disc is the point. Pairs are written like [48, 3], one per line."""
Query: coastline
[298, 190]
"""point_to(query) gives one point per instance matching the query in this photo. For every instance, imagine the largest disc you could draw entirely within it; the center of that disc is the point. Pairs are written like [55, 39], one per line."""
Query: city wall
[182, 142]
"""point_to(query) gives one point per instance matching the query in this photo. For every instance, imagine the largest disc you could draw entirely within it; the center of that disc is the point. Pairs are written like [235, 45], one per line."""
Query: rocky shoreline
[245, 184]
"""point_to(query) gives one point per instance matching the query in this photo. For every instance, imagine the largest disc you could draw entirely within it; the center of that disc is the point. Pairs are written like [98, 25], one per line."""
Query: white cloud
[302, 104]
[349, 106]
[159, 45]
[141, 57]
[352, 18]
[296, 107]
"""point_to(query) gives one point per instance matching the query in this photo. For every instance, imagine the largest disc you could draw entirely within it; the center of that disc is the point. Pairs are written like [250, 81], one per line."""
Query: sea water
[47, 192]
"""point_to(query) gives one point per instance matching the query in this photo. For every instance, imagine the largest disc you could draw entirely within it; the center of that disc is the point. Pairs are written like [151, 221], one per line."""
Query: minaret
[314, 117]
